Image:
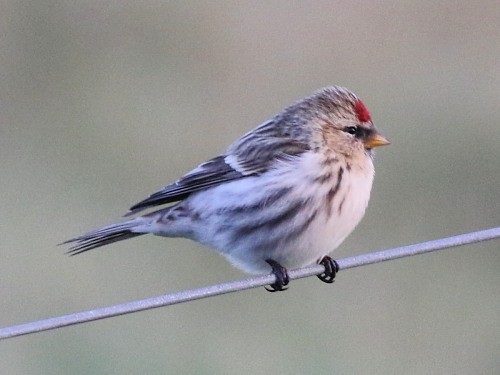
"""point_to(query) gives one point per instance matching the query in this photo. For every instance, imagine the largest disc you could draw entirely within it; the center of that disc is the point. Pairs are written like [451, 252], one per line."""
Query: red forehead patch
[362, 112]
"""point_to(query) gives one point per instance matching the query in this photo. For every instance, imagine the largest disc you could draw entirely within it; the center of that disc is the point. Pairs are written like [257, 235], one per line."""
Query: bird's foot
[281, 274]
[331, 269]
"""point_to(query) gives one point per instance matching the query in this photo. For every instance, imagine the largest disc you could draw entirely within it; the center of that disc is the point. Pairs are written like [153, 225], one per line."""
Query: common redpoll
[282, 196]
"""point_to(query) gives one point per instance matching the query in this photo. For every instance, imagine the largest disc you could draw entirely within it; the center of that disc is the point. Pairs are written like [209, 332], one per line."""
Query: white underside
[214, 228]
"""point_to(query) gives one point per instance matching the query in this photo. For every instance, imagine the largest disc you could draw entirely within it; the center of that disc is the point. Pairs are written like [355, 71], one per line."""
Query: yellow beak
[376, 140]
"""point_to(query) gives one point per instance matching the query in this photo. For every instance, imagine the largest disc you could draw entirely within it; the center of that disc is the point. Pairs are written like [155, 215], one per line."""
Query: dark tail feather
[101, 237]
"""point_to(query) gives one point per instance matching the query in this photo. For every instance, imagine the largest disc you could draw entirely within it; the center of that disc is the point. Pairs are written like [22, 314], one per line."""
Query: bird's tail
[107, 235]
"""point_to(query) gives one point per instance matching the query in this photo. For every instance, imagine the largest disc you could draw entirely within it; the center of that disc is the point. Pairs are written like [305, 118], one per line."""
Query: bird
[282, 196]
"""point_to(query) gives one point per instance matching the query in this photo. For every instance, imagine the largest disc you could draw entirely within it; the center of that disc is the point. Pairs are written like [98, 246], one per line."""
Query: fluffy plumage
[289, 191]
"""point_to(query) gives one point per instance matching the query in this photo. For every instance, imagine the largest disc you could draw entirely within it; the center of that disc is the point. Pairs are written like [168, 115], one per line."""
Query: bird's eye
[351, 130]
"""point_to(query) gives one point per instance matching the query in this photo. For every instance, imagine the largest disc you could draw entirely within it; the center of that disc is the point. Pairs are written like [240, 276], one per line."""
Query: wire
[194, 294]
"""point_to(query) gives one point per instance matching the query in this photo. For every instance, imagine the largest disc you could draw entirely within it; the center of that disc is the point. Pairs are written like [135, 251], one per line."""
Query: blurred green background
[102, 103]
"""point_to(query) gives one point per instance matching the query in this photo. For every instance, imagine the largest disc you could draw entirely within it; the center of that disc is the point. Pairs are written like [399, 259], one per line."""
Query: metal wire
[194, 294]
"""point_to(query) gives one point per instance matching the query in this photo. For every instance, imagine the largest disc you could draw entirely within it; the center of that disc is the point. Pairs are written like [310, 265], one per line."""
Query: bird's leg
[281, 274]
[331, 269]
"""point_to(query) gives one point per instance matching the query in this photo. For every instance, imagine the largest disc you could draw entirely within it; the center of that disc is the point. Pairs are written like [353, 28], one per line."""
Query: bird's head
[336, 119]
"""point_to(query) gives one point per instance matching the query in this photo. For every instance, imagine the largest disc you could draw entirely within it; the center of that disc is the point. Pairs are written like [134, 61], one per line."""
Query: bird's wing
[210, 173]
[253, 154]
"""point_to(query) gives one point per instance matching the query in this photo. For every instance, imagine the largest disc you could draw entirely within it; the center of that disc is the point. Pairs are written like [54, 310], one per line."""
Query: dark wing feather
[210, 173]
[252, 154]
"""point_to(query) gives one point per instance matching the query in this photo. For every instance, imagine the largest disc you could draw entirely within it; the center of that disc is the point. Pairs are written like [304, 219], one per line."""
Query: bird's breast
[296, 213]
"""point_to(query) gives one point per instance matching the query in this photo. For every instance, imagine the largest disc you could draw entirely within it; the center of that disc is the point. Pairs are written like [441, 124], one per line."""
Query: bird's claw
[281, 275]
[331, 269]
